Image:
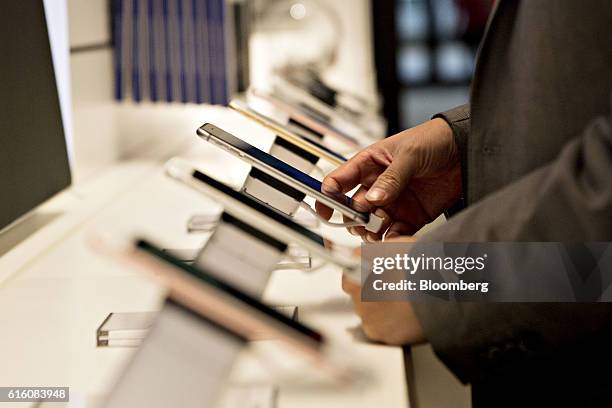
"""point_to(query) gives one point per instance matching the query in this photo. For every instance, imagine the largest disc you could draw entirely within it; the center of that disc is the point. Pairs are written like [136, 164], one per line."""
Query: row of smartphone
[213, 309]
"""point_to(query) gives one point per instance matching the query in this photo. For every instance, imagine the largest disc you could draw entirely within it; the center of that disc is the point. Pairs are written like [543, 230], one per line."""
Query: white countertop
[55, 289]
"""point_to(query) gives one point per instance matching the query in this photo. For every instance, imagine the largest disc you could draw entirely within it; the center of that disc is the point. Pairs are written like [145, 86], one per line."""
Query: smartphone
[303, 142]
[286, 88]
[308, 118]
[310, 81]
[232, 309]
[231, 299]
[287, 174]
[263, 217]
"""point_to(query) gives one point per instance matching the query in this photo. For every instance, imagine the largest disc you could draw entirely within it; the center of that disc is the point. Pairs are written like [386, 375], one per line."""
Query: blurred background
[437, 42]
[164, 59]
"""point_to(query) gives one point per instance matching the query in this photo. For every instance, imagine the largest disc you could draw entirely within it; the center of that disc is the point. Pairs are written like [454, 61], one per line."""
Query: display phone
[309, 80]
[288, 175]
[366, 125]
[295, 138]
[233, 309]
[263, 217]
[308, 118]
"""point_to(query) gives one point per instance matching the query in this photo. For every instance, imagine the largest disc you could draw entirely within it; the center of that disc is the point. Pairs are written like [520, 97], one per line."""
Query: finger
[359, 202]
[353, 289]
[357, 170]
[402, 238]
[392, 181]
[350, 287]
[372, 237]
[339, 181]
[399, 228]
[324, 211]
[357, 231]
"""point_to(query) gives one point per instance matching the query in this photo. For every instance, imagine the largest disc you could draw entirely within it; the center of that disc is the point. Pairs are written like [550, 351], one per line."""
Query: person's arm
[570, 199]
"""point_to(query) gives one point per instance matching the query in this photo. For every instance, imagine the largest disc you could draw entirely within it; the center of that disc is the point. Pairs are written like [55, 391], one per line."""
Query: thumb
[389, 185]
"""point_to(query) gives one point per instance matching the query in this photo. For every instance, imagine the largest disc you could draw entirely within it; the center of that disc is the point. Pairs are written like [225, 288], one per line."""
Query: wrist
[446, 137]
[444, 128]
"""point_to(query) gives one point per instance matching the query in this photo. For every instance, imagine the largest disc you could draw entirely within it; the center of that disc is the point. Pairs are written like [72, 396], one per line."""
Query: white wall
[89, 22]
[353, 69]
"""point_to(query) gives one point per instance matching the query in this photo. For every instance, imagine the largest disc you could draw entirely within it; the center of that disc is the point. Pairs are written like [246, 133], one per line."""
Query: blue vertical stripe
[152, 54]
[136, 89]
[168, 75]
[223, 83]
[198, 51]
[117, 10]
[182, 45]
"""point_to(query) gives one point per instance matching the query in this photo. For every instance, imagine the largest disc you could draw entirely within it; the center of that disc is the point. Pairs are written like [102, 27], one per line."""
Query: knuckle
[390, 179]
[361, 204]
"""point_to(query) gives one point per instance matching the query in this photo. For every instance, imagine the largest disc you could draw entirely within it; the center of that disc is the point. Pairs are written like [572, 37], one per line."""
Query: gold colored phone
[303, 142]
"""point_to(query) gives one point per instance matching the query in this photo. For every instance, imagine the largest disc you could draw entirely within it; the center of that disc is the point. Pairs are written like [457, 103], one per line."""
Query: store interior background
[438, 40]
[420, 64]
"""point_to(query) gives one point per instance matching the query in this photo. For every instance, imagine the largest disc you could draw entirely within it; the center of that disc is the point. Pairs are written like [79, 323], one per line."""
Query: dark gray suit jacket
[536, 148]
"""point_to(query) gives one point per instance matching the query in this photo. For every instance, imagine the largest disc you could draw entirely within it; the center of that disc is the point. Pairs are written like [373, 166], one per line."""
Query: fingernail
[330, 186]
[392, 234]
[372, 237]
[352, 231]
[375, 194]
[381, 213]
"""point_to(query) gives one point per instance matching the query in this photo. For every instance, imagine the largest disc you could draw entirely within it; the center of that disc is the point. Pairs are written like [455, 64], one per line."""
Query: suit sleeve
[568, 199]
[459, 120]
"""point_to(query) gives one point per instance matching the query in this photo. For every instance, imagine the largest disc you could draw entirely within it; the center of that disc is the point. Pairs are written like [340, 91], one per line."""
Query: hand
[393, 323]
[409, 179]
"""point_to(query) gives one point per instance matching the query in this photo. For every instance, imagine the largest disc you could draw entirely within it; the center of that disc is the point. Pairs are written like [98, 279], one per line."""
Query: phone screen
[209, 279]
[279, 165]
[260, 207]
